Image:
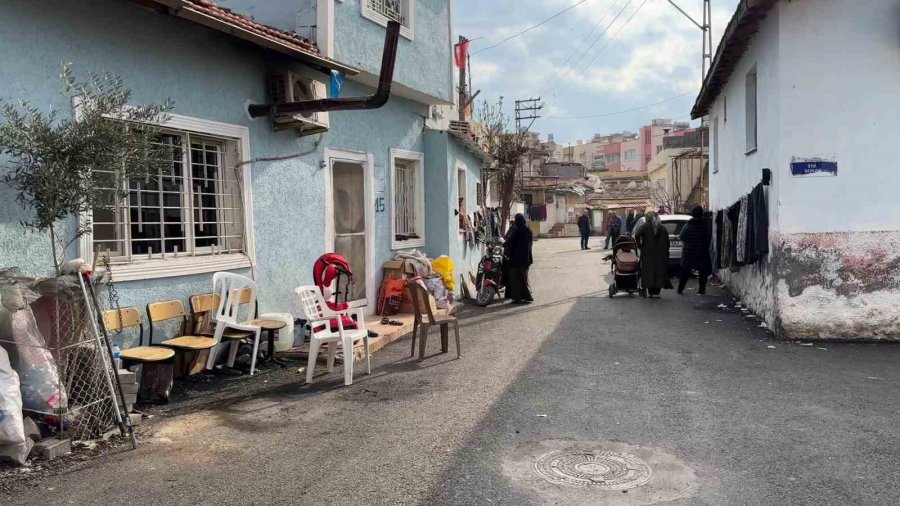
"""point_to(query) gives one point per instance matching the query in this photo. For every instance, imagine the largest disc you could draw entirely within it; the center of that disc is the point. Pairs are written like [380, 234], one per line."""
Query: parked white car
[673, 223]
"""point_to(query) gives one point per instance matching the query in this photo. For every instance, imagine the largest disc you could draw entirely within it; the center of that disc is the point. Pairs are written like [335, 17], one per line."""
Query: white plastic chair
[320, 316]
[229, 287]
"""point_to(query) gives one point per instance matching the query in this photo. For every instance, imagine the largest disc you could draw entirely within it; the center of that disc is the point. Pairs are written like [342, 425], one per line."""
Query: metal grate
[195, 208]
[405, 201]
[391, 9]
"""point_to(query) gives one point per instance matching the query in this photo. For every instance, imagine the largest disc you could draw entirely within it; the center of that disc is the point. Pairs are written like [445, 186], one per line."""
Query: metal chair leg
[456, 331]
[415, 334]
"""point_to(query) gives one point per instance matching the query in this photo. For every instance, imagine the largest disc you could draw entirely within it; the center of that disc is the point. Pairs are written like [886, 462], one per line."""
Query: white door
[349, 216]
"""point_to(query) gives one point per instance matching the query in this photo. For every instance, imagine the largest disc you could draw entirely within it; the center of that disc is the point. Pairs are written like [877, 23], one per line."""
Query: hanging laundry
[741, 239]
[757, 225]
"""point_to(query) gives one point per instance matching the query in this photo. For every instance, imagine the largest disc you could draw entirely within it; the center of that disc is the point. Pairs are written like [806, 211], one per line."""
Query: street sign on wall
[815, 166]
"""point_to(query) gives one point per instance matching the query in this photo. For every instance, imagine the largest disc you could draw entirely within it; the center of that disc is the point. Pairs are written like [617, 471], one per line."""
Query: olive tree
[61, 167]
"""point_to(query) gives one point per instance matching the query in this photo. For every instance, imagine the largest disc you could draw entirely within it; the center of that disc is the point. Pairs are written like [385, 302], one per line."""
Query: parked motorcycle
[489, 280]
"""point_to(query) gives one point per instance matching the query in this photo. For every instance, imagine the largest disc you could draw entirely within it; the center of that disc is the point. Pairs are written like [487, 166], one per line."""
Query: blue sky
[653, 57]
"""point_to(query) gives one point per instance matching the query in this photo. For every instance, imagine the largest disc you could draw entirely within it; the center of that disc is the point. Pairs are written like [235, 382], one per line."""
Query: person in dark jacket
[653, 240]
[518, 253]
[584, 227]
[613, 229]
[696, 236]
[630, 221]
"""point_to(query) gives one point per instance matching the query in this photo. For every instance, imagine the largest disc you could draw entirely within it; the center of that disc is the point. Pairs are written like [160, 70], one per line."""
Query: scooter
[489, 279]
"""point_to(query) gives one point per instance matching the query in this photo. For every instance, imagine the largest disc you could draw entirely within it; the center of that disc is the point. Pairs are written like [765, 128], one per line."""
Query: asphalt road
[696, 391]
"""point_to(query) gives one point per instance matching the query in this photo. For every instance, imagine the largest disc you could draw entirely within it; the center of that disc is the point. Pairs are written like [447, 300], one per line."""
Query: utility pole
[527, 109]
[463, 98]
[706, 27]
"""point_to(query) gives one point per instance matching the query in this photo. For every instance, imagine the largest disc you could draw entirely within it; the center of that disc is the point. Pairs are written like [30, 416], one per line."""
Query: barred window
[382, 11]
[194, 208]
[408, 192]
[404, 199]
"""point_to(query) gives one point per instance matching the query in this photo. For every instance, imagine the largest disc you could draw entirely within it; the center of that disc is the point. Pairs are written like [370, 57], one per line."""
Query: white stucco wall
[828, 85]
[840, 95]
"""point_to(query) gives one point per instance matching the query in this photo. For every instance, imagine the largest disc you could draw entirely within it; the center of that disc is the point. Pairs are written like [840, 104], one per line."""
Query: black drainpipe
[375, 101]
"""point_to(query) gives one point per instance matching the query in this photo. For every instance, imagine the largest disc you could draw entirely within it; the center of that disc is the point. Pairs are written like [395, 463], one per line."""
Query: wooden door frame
[367, 161]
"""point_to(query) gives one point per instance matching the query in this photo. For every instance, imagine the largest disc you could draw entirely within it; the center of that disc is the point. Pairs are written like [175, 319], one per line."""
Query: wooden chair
[157, 362]
[425, 318]
[174, 310]
[129, 317]
[202, 309]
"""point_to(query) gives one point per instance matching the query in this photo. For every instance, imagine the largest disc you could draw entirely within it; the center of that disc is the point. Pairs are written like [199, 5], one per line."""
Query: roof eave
[183, 10]
[738, 35]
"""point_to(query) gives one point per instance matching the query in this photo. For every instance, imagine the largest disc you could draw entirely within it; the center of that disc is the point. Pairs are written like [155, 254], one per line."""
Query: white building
[811, 90]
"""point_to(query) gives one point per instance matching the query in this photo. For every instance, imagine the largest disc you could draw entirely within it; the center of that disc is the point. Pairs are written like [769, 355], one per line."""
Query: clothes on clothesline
[741, 232]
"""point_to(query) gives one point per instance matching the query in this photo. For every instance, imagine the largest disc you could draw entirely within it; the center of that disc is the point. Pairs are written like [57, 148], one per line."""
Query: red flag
[460, 52]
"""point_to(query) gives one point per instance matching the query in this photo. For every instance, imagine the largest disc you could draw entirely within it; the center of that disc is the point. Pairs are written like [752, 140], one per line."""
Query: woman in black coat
[696, 235]
[518, 253]
[653, 240]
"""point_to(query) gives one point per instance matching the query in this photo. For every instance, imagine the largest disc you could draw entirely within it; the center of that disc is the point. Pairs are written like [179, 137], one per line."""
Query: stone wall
[843, 285]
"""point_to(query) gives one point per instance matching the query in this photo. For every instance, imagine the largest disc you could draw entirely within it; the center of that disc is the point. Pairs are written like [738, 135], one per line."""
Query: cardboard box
[398, 269]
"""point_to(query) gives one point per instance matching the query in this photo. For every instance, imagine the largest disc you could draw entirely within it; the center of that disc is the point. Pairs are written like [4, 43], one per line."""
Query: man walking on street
[613, 229]
[584, 227]
[630, 221]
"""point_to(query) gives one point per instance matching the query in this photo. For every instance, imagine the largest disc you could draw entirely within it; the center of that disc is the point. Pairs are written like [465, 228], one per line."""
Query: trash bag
[28, 353]
[14, 446]
[443, 265]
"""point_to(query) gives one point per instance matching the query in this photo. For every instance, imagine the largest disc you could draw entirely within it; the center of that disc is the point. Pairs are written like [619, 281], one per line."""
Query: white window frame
[751, 110]
[715, 141]
[419, 159]
[406, 29]
[633, 156]
[139, 268]
[461, 169]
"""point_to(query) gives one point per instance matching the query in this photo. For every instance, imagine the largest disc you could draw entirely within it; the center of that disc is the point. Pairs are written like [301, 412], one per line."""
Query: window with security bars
[195, 207]
[405, 219]
[382, 11]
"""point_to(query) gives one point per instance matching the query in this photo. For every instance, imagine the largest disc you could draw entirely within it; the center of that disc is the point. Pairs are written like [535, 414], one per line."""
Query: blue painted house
[262, 197]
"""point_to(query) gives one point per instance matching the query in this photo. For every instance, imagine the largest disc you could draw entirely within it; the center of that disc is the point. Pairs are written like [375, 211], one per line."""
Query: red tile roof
[227, 15]
[224, 20]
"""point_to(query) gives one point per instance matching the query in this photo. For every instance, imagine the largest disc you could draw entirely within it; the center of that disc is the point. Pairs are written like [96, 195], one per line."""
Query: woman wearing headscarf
[696, 235]
[518, 253]
[653, 240]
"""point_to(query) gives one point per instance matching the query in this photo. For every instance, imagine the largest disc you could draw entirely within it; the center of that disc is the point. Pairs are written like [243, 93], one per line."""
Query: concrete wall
[442, 225]
[833, 268]
[637, 163]
[738, 172]
[423, 63]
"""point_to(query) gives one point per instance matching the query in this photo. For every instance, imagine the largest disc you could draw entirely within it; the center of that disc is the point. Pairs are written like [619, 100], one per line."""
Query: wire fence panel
[65, 366]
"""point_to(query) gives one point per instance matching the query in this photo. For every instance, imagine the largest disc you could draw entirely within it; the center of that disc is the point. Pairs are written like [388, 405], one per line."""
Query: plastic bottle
[117, 356]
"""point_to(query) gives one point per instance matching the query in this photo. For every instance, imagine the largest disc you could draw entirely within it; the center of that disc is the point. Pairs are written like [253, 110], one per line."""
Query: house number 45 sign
[379, 205]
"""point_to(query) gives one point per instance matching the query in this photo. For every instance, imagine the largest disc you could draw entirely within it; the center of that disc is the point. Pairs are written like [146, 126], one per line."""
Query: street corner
[598, 472]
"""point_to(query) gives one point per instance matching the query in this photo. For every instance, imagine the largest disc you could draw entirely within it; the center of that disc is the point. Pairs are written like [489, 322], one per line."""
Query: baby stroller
[626, 267]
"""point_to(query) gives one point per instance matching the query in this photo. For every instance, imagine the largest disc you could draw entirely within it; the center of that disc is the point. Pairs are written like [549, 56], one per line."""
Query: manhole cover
[603, 470]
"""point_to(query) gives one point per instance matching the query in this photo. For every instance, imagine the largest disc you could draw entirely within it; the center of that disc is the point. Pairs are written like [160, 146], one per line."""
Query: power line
[569, 70]
[607, 114]
[613, 39]
[560, 13]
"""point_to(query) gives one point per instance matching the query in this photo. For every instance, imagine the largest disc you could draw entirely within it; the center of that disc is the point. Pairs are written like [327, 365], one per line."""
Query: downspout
[375, 101]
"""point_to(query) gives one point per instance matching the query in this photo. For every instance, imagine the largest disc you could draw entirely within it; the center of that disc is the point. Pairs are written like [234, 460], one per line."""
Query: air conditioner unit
[290, 87]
